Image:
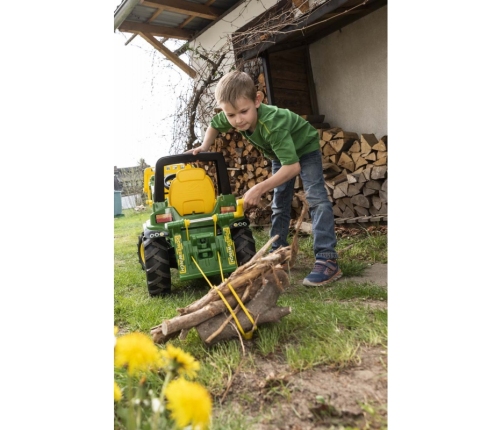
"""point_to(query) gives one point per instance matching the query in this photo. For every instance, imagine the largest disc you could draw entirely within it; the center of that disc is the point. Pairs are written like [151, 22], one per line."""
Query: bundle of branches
[258, 284]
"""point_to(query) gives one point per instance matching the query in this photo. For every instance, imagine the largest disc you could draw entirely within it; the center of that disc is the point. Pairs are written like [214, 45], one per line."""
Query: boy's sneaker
[324, 271]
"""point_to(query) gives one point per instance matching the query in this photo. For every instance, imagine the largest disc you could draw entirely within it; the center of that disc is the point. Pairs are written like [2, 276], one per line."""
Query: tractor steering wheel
[168, 179]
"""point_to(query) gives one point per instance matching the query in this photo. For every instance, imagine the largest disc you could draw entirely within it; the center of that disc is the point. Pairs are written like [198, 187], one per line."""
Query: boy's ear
[259, 98]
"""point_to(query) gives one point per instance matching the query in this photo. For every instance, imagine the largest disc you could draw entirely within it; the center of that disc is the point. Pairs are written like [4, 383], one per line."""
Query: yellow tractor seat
[192, 192]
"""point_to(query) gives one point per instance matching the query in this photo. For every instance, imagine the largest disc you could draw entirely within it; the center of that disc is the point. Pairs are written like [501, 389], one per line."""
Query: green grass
[328, 325]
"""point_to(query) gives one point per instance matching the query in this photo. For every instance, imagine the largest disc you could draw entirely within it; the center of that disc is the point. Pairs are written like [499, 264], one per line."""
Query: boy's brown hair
[233, 86]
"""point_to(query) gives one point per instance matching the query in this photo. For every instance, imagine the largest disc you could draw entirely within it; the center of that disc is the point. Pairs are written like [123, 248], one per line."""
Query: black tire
[245, 247]
[157, 268]
[141, 251]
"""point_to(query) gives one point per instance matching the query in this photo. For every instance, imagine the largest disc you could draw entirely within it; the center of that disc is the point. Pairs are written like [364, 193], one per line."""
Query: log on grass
[249, 283]
[262, 308]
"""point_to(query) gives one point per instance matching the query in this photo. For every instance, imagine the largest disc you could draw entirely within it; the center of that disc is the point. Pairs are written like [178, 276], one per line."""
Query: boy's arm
[253, 196]
[209, 137]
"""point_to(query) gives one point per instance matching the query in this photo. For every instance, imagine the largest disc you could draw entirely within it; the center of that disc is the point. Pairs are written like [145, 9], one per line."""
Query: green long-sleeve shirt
[280, 134]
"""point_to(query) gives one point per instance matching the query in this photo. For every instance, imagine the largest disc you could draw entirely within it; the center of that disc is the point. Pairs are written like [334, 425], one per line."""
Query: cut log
[361, 161]
[381, 154]
[330, 133]
[368, 139]
[338, 211]
[376, 201]
[381, 162]
[378, 172]
[340, 191]
[373, 184]
[346, 162]
[348, 213]
[354, 189]
[371, 156]
[347, 201]
[361, 211]
[379, 146]
[341, 145]
[355, 147]
[360, 200]
[369, 191]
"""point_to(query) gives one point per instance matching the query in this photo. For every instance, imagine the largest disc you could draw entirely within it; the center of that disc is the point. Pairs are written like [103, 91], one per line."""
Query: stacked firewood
[354, 170]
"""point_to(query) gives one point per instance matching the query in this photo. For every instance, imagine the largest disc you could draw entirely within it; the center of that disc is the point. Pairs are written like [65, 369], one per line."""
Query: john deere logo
[229, 245]
[178, 245]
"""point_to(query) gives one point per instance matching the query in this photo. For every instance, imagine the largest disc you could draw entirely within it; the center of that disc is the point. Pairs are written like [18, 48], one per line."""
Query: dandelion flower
[117, 393]
[189, 403]
[182, 362]
[136, 352]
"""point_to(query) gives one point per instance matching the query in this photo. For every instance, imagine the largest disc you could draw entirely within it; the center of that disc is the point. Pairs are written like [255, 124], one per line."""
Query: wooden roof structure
[159, 20]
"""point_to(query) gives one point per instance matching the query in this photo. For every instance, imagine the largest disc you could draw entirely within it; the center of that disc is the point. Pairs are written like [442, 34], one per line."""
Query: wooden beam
[190, 18]
[185, 8]
[170, 55]
[155, 30]
[152, 18]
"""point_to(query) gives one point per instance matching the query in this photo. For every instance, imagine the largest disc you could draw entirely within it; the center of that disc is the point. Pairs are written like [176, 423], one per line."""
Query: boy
[292, 144]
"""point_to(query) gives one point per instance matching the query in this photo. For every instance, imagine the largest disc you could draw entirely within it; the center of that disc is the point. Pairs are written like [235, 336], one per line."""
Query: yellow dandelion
[115, 330]
[189, 403]
[182, 362]
[117, 392]
[136, 352]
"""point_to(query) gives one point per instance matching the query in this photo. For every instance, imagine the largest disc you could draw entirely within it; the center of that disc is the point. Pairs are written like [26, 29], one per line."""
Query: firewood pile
[257, 284]
[354, 170]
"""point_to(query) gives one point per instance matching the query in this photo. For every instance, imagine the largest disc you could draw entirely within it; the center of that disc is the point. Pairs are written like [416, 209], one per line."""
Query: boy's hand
[194, 151]
[252, 198]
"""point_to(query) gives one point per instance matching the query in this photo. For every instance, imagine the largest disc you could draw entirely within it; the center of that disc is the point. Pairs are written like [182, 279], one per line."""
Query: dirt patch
[319, 398]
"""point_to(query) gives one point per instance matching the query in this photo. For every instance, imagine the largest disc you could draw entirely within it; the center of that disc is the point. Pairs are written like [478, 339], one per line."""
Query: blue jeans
[320, 208]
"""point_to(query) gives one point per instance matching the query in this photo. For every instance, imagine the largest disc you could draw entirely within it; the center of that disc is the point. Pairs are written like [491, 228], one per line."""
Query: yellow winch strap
[245, 335]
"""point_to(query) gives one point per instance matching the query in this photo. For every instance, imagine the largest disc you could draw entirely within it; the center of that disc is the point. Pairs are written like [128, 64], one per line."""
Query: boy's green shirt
[280, 134]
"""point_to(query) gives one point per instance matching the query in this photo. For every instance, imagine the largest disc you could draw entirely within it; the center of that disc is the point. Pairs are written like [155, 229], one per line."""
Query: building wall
[349, 67]
[350, 75]
[216, 36]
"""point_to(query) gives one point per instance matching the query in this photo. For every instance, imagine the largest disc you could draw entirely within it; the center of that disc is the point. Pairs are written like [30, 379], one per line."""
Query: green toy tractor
[194, 228]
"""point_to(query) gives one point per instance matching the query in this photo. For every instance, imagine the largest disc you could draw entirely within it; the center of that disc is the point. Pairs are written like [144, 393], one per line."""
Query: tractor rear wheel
[157, 268]
[244, 243]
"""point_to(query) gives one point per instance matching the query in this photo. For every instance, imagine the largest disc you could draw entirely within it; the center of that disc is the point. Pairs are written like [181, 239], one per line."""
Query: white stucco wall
[349, 67]
[216, 36]
[350, 75]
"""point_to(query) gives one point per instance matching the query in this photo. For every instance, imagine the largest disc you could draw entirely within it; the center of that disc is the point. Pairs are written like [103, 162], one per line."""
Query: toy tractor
[193, 228]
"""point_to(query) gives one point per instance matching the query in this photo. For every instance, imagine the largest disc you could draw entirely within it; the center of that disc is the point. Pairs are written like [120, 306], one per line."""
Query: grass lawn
[328, 329]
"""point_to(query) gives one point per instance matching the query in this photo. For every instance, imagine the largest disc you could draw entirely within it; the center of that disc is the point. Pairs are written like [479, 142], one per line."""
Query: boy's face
[243, 116]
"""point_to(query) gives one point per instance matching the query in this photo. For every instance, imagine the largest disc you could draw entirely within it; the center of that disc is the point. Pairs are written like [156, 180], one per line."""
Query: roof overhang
[186, 20]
